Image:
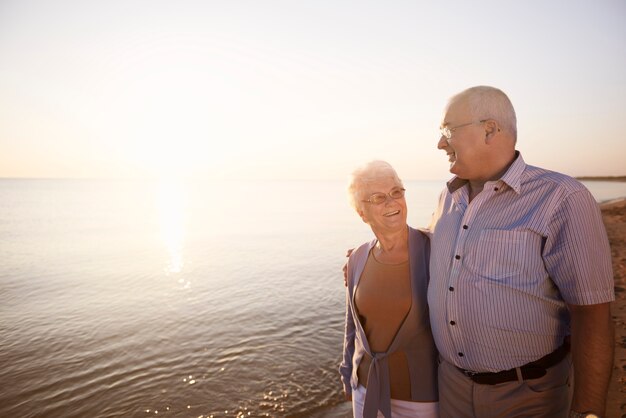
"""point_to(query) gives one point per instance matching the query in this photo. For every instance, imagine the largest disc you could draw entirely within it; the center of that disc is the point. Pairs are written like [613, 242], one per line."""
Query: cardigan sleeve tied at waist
[378, 395]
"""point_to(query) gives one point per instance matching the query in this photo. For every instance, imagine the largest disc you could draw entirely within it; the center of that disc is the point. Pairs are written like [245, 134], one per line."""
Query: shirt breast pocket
[505, 255]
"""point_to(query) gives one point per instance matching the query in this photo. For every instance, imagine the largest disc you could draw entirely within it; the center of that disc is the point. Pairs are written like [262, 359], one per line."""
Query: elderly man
[520, 271]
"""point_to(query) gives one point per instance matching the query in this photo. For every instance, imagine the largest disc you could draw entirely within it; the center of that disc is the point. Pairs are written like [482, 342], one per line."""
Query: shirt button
[458, 257]
[461, 354]
[495, 189]
[451, 289]
[464, 226]
[452, 323]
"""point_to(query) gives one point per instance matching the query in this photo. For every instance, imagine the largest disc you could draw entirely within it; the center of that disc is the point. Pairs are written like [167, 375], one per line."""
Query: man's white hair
[487, 102]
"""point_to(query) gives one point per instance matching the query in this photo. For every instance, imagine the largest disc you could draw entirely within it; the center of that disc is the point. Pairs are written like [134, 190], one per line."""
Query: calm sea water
[137, 299]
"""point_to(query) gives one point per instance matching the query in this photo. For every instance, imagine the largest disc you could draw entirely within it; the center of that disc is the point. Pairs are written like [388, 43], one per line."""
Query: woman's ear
[362, 215]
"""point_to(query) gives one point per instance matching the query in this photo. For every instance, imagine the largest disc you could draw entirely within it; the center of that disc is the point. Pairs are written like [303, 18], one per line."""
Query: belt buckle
[469, 373]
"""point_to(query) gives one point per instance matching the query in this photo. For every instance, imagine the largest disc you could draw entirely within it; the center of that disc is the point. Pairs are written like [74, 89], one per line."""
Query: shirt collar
[512, 177]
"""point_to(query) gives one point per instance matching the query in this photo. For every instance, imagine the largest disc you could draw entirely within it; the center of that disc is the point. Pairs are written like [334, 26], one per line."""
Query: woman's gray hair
[368, 173]
[487, 102]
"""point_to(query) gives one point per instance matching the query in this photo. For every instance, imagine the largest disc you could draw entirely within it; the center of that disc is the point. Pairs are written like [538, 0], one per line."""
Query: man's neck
[476, 185]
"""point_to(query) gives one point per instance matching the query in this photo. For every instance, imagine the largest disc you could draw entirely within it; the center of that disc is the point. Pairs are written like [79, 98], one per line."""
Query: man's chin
[457, 171]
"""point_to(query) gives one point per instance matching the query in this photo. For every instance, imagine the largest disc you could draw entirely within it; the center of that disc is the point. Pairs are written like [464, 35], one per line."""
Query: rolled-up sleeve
[577, 253]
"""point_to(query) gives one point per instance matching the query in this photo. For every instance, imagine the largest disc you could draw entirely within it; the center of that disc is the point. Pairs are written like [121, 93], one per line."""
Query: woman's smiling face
[387, 216]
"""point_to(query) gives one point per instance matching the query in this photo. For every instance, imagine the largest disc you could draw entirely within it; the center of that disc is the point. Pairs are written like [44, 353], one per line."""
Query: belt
[532, 370]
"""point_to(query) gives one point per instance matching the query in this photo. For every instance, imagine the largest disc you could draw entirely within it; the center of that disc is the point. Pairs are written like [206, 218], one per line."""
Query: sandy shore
[614, 214]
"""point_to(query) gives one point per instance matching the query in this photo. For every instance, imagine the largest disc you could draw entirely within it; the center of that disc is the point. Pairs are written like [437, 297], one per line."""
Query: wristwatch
[574, 414]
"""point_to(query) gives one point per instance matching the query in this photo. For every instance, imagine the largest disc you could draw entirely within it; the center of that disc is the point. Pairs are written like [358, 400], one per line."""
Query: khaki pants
[548, 396]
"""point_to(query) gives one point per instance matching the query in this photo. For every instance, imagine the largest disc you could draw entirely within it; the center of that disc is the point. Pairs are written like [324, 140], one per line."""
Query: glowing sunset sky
[300, 89]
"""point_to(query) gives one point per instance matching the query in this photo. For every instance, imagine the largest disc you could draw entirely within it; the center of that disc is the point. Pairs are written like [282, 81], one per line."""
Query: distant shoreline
[602, 178]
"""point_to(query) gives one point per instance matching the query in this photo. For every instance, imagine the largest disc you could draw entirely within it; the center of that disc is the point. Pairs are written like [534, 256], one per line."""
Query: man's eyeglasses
[446, 131]
[378, 198]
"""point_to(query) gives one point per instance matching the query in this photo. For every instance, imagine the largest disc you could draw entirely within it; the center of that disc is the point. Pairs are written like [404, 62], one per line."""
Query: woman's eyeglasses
[378, 198]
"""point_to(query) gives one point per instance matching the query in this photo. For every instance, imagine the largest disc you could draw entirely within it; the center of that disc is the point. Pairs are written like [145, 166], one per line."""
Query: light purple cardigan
[414, 336]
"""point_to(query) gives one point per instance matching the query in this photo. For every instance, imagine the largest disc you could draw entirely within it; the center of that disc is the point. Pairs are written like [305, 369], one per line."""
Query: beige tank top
[383, 299]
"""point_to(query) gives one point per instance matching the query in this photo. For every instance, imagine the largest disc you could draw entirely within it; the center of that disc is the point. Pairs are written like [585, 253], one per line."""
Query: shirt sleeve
[577, 254]
[345, 368]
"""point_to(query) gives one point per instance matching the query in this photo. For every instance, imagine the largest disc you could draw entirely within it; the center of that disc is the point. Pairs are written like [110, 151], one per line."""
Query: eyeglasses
[447, 131]
[378, 198]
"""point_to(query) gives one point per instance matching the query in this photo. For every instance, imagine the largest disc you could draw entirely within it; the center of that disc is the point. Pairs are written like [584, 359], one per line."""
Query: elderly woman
[389, 365]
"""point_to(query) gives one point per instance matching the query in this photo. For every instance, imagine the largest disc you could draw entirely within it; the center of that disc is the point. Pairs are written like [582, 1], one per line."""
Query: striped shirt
[504, 267]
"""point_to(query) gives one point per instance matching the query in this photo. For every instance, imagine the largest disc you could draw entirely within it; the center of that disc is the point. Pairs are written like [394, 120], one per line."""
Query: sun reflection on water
[171, 204]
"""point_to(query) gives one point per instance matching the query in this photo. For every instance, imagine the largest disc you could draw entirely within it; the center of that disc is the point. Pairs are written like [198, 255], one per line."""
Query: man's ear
[491, 129]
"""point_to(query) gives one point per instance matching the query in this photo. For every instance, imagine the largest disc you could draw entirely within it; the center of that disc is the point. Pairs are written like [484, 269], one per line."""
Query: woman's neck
[392, 247]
